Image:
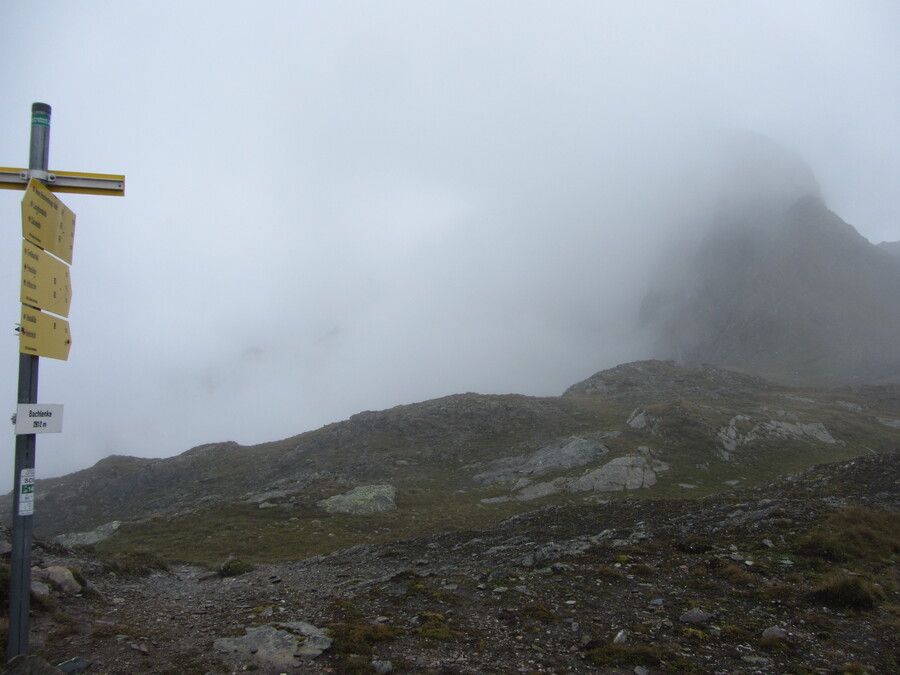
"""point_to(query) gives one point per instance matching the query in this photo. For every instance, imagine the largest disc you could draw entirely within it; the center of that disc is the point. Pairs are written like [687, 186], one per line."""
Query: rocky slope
[647, 428]
[795, 576]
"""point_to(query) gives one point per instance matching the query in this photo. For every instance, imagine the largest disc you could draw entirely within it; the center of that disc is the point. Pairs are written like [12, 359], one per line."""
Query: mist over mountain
[892, 247]
[702, 475]
[779, 286]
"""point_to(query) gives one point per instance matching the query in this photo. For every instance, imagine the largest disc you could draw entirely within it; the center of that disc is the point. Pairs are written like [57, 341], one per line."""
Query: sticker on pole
[26, 492]
[32, 418]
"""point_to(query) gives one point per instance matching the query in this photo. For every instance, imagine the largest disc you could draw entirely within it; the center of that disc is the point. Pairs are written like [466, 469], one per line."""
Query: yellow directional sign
[44, 335]
[47, 222]
[45, 281]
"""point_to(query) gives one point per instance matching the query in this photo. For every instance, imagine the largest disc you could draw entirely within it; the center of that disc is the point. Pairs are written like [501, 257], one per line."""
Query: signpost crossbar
[64, 181]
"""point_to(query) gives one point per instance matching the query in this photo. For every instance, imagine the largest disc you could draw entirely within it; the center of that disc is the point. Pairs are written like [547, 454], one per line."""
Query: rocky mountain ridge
[648, 428]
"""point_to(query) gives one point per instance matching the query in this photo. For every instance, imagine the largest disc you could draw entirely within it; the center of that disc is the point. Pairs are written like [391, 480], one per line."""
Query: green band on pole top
[40, 118]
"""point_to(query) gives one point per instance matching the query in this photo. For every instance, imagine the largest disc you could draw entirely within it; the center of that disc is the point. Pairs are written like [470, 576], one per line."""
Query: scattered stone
[29, 664]
[270, 647]
[316, 640]
[40, 589]
[695, 616]
[382, 667]
[639, 419]
[61, 577]
[775, 633]
[75, 666]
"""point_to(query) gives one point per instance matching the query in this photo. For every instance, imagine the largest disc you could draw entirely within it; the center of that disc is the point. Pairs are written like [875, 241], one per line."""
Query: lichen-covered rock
[59, 576]
[639, 419]
[94, 536]
[362, 500]
[566, 453]
[623, 473]
[266, 645]
[742, 431]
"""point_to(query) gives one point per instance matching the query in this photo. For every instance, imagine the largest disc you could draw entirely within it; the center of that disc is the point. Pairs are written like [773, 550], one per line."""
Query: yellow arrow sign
[47, 222]
[44, 335]
[45, 281]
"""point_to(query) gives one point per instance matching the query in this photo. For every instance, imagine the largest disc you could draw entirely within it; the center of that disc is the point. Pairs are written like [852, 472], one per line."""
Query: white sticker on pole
[26, 492]
[32, 418]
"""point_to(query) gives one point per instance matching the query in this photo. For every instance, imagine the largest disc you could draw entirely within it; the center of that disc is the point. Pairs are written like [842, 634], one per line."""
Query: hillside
[798, 575]
[647, 429]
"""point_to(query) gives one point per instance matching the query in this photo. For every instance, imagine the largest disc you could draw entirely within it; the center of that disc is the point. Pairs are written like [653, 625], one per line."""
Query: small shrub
[359, 638]
[776, 592]
[693, 544]
[610, 573]
[845, 591]
[737, 575]
[436, 628]
[630, 655]
[855, 533]
[642, 570]
[854, 668]
[773, 643]
[234, 567]
[736, 633]
[135, 563]
[540, 613]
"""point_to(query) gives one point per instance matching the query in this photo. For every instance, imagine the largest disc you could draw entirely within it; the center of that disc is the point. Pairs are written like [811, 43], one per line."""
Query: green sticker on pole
[26, 492]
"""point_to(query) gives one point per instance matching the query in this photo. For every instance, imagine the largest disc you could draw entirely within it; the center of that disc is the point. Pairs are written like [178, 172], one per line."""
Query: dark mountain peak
[781, 287]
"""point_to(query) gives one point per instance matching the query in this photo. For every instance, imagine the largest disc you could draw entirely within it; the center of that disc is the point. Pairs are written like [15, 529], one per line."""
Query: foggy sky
[345, 206]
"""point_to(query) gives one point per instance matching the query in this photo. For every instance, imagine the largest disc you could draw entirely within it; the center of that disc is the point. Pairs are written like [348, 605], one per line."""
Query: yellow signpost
[48, 222]
[43, 334]
[48, 227]
[46, 282]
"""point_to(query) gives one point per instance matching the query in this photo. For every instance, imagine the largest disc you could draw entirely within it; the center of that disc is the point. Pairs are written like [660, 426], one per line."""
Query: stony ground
[727, 584]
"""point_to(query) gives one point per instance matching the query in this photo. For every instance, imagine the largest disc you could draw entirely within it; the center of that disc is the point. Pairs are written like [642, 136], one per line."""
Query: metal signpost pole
[20, 561]
[48, 233]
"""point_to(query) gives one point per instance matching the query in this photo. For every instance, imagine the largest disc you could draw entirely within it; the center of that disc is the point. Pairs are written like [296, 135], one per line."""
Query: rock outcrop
[630, 472]
[566, 453]
[362, 500]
